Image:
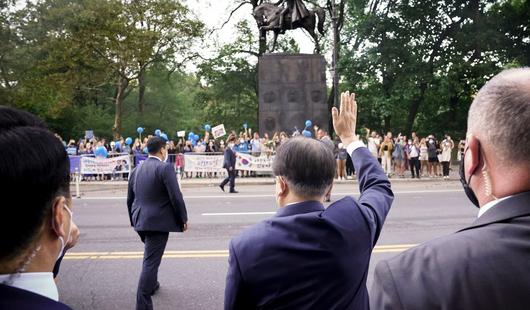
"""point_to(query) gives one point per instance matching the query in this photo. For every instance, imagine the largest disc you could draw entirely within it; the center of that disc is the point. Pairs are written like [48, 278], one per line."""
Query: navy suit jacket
[154, 199]
[230, 158]
[309, 257]
[16, 298]
[481, 267]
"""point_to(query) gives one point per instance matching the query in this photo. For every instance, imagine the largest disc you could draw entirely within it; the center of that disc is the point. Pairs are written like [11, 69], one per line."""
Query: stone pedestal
[292, 89]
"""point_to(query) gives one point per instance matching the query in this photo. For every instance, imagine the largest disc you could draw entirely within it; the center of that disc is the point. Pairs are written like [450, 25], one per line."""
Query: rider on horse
[297, 10]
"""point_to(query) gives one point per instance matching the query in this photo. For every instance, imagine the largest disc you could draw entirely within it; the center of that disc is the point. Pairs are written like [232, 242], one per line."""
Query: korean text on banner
[254, 163]
[95, 165]
[218, 131]
[203, 163]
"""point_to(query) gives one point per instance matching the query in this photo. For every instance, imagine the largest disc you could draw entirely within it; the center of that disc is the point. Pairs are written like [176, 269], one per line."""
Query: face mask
[465, 184]
[231, 145]
[410, 143]
[431, 141]
[63, 243]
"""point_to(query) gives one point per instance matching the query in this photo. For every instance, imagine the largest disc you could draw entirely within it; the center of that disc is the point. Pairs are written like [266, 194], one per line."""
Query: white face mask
[231, 145]
[63, 242]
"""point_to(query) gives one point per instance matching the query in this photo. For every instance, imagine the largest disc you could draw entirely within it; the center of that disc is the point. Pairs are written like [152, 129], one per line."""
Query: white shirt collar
[41, 283]
[490, 205]
[151, 156]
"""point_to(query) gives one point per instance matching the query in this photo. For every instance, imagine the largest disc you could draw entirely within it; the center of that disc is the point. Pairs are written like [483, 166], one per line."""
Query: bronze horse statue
[267, 16]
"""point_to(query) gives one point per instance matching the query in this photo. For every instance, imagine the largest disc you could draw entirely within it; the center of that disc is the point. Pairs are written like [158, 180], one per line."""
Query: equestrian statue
[289, 15]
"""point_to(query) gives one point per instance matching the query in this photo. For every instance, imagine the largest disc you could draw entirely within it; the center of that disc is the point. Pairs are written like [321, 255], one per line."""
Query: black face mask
[467, 189]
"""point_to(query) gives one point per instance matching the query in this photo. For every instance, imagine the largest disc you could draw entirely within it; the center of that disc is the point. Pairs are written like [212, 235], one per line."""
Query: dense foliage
[114, 65]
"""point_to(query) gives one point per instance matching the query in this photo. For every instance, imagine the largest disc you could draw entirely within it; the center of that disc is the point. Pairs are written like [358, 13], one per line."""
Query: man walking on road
[230, 165]
[308, 256]
[486, 265]
[156, 207]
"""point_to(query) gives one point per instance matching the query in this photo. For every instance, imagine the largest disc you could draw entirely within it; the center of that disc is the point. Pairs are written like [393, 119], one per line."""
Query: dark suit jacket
[15, 298]
[484, 266]
[230, 158]
[154, 199]
[309, 257]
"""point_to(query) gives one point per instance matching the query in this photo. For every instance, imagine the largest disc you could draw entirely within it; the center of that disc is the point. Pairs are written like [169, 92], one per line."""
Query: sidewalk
[120, 187]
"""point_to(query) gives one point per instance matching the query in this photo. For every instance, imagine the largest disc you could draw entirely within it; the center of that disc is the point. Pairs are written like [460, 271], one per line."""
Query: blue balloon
[128, 141]
[101, 151]
[190, 135]
[146, 150]
[193, 142]
[158, 132]
[196, 137]
[164, 136]
[245, 125]
[308, 123]
[139, 130]
[118, 145]
[207, 127]
[307, 133]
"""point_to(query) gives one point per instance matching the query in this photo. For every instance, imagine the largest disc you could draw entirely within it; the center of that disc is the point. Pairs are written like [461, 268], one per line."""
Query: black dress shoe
[234, 192]
[222, 188]
[157, 287]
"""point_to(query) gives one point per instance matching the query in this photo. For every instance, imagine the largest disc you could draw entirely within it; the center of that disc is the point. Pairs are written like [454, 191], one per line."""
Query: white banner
[254, 163]
[203, 163]
[96, 165]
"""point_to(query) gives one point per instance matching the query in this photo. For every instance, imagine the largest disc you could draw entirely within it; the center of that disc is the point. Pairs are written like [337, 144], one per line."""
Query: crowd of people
[422, 156]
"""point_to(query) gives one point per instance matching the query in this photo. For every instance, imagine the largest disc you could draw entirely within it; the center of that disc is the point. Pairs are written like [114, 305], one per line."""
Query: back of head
[34, 170]
[500, 117]
[155, 144]
[307, 165]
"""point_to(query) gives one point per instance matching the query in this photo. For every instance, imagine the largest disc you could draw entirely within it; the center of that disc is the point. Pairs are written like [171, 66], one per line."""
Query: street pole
[334, 69]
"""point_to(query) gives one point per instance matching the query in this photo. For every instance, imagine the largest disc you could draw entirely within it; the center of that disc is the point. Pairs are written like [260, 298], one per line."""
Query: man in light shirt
[35, 227]
[487, 264]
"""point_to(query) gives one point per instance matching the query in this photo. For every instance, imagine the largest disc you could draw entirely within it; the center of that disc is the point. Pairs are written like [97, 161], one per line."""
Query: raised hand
[345, 120]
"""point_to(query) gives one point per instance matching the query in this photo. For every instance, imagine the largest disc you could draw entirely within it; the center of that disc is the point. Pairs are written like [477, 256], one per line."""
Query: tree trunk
[120, 96]
[413, 110]
[262, 42]
[141, 91]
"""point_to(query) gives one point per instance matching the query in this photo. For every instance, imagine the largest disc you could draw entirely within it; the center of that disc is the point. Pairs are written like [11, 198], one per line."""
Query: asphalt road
[102, 271]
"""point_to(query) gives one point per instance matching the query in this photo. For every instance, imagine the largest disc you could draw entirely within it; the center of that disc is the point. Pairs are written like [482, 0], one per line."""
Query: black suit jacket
[484, 266]
[154, 200]
[309, 257]
[15, 298]
[230, 158]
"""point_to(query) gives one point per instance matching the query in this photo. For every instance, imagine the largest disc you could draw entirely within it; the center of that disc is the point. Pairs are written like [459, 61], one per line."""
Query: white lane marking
[238, 213]
[271, 196]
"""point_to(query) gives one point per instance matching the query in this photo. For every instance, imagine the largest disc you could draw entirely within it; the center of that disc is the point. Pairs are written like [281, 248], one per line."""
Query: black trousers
[155, 244]
[230, 178]
[414, 164]
[445, 166]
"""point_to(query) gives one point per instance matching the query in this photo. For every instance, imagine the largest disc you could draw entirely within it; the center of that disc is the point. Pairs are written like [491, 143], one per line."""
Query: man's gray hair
[500, 116]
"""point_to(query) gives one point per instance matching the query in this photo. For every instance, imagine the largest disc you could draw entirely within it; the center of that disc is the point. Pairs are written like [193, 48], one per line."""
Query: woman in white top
[424, 157]
[447, 148]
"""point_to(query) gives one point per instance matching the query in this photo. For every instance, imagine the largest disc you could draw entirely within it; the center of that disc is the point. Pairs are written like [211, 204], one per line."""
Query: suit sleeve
[235, 296]
[173, 189]
[384, 294]
[130, 195]
[376, 193]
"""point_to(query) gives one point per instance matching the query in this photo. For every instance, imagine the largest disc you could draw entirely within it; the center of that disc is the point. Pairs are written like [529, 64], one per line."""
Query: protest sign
[218, 131]
[181, 134]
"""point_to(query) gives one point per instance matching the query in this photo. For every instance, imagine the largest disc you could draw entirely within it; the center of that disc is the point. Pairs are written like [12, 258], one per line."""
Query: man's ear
[59, 219]
[472, 156]
[284, 187]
